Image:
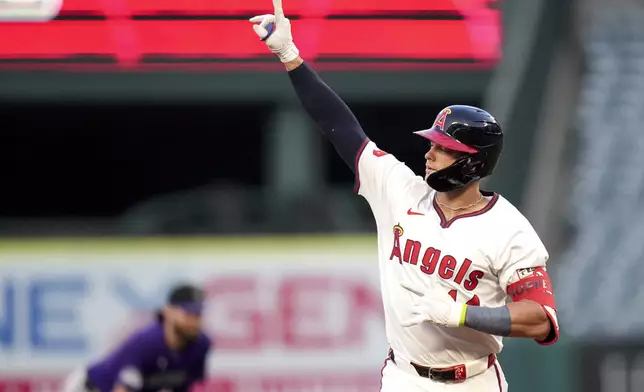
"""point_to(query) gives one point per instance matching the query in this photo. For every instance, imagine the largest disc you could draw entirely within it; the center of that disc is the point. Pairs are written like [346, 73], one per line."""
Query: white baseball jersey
[472, 257]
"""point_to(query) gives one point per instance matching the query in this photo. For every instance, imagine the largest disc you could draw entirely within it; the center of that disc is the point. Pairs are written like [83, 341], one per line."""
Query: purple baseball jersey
[145, 363]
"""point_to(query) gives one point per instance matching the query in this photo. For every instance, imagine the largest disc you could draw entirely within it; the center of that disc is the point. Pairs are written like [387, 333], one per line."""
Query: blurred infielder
[450, 254]
[168, 355]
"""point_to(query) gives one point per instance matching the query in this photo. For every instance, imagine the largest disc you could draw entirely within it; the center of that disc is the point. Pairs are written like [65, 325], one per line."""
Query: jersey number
[473, 302]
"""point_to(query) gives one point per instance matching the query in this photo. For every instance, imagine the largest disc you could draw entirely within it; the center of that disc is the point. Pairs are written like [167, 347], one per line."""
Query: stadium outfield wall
[311, 302]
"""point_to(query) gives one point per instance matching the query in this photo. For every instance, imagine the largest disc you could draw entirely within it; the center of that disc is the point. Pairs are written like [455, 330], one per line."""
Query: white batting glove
[433, 307]
[275, 31]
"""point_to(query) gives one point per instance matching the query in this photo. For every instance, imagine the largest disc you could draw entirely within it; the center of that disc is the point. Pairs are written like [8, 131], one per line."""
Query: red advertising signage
[176, 33]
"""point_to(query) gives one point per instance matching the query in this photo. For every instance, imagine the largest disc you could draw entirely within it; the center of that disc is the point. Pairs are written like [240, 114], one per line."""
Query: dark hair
[183, 293]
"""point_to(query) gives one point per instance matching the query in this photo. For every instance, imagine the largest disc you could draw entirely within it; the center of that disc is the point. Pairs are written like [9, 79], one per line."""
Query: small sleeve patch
[525, 272]
[380, 153]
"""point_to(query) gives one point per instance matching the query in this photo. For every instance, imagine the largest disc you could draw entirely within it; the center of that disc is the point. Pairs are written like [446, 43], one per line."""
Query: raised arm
[330, 113]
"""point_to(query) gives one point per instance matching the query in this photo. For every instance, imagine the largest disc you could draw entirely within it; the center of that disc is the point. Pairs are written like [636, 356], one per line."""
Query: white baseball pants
[395, 379]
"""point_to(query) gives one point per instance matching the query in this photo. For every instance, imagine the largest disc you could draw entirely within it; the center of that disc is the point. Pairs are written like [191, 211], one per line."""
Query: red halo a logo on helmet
[440, 119]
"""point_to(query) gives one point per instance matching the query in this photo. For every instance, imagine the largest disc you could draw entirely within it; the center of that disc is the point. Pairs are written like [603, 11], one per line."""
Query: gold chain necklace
[459, 208]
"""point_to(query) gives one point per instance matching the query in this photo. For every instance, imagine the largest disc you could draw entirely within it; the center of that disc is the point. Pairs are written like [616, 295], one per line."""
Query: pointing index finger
[277, 8]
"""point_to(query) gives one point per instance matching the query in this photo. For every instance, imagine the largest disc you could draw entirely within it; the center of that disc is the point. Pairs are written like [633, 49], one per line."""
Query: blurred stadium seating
[601, 267]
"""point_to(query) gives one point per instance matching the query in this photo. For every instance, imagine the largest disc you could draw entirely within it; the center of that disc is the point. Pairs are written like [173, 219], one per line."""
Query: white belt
[453, 373]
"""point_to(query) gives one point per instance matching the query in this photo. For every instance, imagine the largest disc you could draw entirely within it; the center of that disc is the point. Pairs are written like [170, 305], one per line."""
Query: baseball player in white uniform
[450, 254]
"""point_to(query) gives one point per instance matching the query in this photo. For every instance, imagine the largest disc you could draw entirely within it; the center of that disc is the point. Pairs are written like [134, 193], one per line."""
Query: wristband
[495, 321]
[461, 321]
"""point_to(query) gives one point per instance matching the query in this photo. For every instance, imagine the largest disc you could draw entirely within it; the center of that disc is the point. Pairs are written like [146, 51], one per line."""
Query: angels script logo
[29, 10]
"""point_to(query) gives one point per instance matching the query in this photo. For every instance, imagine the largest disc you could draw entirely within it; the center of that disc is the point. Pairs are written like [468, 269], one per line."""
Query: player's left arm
[523, 276]
[532, 314]
[520, 268]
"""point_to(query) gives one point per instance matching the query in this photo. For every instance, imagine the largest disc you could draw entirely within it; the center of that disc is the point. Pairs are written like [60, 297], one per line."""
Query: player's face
[439, 157]
[186, 324]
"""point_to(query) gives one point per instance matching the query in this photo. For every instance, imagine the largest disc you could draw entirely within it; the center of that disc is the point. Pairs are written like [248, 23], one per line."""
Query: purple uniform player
[168, 355]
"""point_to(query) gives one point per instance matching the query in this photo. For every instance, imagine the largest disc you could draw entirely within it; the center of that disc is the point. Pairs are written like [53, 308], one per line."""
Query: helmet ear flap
[476, 163]
[459, 174]
[470, 164]
[470, 167]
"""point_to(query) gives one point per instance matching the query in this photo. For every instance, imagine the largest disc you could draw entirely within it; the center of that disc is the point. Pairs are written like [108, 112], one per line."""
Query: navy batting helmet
[471, 131]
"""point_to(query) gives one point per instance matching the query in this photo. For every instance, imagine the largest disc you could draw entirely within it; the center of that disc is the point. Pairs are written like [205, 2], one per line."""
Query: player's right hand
[275, 31]
[434, 307]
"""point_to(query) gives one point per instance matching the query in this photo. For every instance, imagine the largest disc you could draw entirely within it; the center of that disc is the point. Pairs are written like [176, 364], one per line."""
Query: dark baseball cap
[188, 297]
